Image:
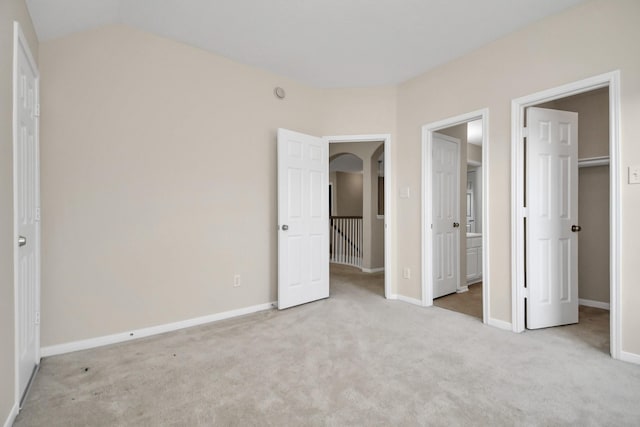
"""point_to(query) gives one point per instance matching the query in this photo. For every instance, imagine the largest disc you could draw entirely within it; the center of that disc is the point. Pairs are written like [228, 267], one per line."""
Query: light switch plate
[634, 174]
[405, 192]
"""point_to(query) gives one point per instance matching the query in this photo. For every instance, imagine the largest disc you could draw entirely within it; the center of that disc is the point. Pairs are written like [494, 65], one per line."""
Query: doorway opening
[595, 268]
[454, 217]
[357, 230]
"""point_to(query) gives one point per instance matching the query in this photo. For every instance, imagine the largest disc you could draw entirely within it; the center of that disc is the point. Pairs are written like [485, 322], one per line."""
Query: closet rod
[593, 161]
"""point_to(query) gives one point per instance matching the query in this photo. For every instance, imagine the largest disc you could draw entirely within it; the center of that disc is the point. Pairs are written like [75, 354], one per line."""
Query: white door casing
[303, 222]
[26, 177]
[552, 205]
[446, 227]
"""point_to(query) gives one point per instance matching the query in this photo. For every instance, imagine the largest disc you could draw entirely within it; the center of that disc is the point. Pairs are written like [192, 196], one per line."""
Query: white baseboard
[372, 270]
[630, 357]
[12, 416]
[409, 300]
[146, 332]
[595, 304]
[500, 324]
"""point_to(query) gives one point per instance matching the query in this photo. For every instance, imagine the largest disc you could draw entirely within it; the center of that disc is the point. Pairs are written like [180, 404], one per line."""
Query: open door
[303, 218]
[552, 219]
[446, 212]
[26, 212]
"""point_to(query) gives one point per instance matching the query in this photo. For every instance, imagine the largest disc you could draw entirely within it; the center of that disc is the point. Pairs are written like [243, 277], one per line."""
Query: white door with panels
[552, 217]
[303, 218]
[446, 212]
[26, 211]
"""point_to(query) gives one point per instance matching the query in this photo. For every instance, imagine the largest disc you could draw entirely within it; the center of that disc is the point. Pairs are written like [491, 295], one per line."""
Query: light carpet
[353, 359]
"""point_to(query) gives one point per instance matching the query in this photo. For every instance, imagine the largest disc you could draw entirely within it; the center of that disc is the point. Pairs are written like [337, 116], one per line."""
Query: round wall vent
[279, 92]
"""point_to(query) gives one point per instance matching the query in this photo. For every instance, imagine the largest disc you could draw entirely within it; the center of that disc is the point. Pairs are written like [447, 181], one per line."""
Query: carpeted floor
[353, 359]
[592, 328]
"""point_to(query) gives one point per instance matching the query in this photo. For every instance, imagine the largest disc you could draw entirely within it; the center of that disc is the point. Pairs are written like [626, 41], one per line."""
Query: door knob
[576, 228]
[285, 227]
[22, 241]
[456, 224]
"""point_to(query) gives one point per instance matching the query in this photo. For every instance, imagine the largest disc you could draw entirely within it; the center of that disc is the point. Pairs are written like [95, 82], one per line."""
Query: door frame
[388, 178]
[427, 205]
[518, 212]
[20, 43]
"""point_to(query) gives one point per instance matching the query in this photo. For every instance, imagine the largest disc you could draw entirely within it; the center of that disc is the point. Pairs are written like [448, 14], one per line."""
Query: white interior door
[303, 218]
[27, 211]
[552, 203]
[446, 227]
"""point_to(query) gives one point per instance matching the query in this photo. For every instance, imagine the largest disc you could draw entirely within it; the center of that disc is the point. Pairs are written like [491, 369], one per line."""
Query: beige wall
[474, 153]
[593, 193]
[159, 178]
[348, 194]
[377, 222]
[333, 179]
[593, 247]
[555, 51]
[10, 10]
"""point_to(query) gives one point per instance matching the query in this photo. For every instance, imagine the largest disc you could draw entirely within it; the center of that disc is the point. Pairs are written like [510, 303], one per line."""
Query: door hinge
[37, 317]
[525, 132]
[525, 292]
[524, 212]
[37, 214]
[36, 110]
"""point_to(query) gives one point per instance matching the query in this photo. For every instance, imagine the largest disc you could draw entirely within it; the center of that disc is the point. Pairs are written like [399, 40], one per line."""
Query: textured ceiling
[323, 43]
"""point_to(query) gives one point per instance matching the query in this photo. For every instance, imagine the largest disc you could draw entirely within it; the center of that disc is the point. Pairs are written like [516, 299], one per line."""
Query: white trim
[153, 330]
[500, 324]
[386, 137]
[594, 304]
[20, 43]
[346, 263]
[409, 300]
[612, 81]
[11, 418]
[427, 137]
[372, 270]
[630, 357]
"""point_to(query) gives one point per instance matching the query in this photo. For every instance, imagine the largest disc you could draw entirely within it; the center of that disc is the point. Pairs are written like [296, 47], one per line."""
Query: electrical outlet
[236, 280]
[406, 273]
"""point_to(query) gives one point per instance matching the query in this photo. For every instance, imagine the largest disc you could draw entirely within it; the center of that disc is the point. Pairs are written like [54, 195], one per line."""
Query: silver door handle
[22, 241]
[456, 224]
[285, 227]
[576, 228]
